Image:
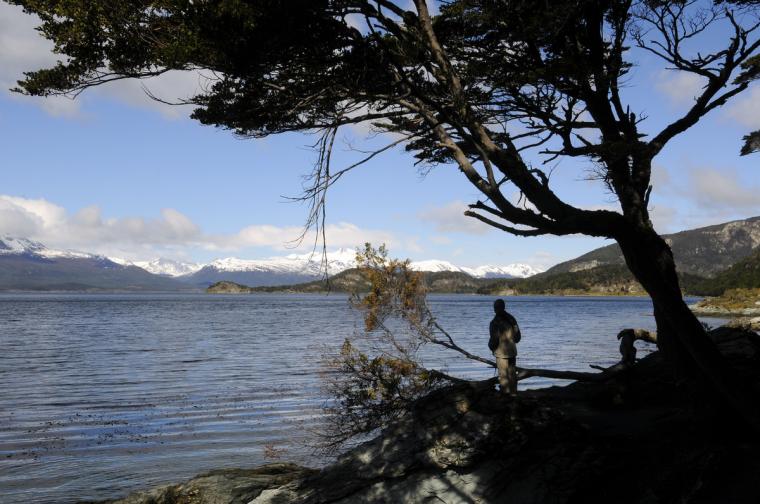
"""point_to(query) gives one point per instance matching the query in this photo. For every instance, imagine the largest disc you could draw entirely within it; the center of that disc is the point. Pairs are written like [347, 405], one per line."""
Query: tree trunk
[681, 338]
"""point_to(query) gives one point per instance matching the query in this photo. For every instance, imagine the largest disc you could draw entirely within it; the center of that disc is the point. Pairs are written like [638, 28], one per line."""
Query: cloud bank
[450, 218]
[172, 234]
[701, 196]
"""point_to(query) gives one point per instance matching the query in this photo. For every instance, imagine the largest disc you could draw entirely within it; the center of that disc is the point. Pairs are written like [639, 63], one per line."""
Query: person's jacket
[505, 333]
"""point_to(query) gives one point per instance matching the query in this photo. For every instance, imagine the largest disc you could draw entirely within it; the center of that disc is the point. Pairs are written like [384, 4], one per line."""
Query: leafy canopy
[490, 85]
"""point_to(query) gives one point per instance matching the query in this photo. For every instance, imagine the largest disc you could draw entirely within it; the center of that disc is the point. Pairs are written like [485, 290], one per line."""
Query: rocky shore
[636, 438]
[733, 303]
[219, 487]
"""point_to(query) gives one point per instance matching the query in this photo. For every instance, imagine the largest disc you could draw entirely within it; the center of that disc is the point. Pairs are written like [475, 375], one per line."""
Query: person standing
[504, 336]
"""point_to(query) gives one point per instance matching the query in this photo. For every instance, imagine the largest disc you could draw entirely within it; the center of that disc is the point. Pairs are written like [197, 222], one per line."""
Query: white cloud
[23, 49]
[700, 196]
[343, 234]
[664, 218]
[173, 234]
[660, 177]
[680, 87]
[721, 189]
[543, 260]
[746, 109]
[171, 87]
[26, 217]
[450, 218]
[357, 21]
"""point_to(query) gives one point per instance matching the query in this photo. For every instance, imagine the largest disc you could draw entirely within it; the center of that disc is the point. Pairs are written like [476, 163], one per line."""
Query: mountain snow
[305, 264]
[18, 246]
[435, 266]
[343, 259]
[516, 270]
[168, 267]
[11, 245]
[300, 264]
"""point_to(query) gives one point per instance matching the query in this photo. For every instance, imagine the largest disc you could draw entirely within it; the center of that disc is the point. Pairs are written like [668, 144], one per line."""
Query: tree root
[627, 338]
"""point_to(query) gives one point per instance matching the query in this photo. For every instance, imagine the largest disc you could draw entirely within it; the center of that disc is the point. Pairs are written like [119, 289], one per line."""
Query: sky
[116, 173]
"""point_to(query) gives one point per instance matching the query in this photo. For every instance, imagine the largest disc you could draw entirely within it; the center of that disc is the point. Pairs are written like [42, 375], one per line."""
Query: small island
[226, 287]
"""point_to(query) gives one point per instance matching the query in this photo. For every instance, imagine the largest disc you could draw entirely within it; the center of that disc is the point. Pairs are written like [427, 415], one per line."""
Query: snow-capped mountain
[10, 245]
[295, 268]
[307, 264]
[435, 266]
[292, 268]
[516, 270]
[168, 267]
[57, 268]
[29, 265]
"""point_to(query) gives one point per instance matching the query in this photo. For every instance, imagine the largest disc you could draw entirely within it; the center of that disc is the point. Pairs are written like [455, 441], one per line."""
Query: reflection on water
[103, 394]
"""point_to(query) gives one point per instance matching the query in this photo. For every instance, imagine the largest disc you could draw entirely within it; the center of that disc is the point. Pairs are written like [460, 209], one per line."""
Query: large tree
[497, 88]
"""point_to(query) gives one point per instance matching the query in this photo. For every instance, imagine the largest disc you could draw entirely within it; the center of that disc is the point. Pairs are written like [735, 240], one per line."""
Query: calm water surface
[104, 394]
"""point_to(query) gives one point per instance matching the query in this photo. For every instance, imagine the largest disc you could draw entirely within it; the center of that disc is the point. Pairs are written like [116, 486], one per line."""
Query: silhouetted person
[505, 334]
[627, 350]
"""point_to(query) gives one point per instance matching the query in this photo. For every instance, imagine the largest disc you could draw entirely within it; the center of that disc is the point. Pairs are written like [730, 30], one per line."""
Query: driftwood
[605, 374]
[627, 339]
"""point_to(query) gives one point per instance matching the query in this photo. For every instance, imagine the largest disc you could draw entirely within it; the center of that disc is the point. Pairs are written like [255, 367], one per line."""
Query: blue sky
[115, 173]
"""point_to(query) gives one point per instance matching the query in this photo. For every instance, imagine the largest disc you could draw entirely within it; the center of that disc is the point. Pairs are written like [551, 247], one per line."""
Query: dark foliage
[611, 279]
[743, 275]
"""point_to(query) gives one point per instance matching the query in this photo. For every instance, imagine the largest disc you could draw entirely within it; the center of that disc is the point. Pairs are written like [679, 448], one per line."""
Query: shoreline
[468, 443]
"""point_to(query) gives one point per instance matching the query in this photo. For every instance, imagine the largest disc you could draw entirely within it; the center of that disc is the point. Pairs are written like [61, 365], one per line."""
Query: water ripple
[104, 394]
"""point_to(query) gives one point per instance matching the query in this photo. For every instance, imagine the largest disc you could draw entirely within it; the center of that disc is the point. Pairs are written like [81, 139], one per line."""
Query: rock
[746, 323]
[732, 303]
[634, 439]
[631, 440]
[226, 486]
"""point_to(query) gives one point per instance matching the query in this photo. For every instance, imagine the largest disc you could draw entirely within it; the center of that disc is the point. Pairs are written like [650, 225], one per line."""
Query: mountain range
[703, 256]
[30, 265]
[703, 251]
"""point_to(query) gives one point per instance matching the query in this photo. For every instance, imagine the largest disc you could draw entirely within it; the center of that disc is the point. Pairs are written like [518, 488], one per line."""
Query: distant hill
[610, 279]
[710, 260]
[209, 275]
[745, 274]
[602, 280]
[703, 252]
[700, 254]
[228, 288]
[454, 282]
[28, 265]
[306, 268]
[350, 280]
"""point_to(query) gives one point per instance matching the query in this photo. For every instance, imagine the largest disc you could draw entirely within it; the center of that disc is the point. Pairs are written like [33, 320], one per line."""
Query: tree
[379, 374]
[496, 87]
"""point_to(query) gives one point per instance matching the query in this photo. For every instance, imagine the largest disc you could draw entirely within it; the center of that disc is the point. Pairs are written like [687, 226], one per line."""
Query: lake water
[104, 394]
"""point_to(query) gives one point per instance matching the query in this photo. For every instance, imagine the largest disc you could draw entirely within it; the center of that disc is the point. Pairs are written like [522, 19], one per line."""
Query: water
[104, 394]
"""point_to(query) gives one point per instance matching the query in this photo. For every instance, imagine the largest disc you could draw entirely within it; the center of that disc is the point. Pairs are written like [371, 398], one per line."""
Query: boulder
[225, 486]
